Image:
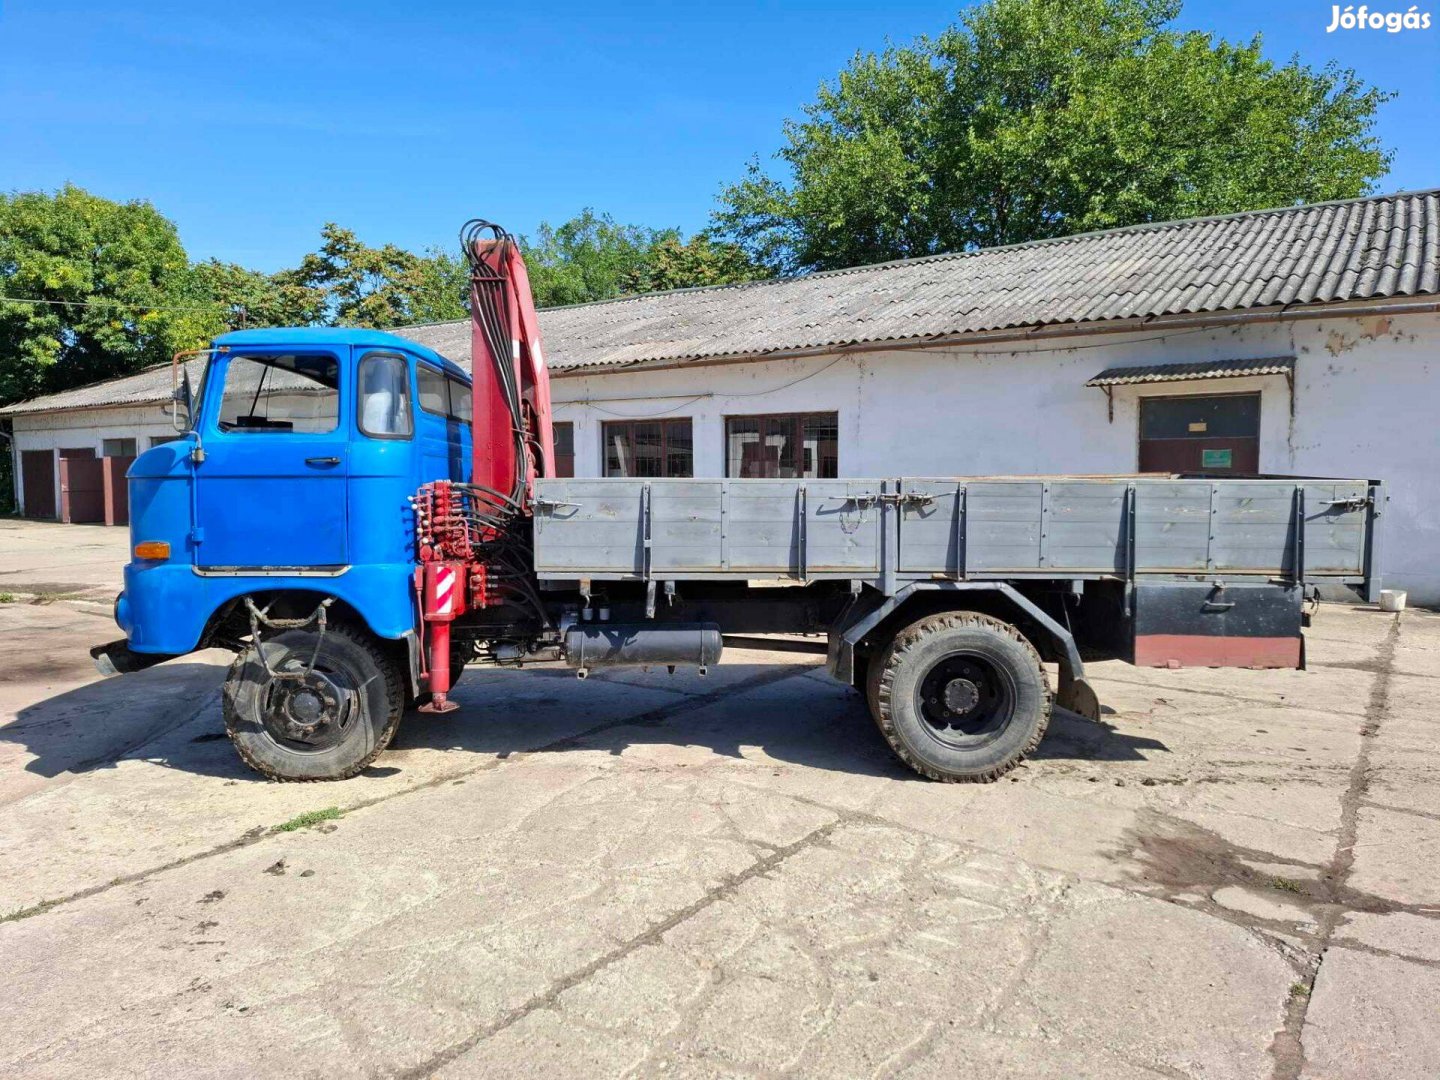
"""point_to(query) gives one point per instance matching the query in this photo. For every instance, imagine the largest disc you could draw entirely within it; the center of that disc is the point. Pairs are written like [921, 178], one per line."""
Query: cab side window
[266, 394]
[434, 390]
[385, 397]
[460, 403]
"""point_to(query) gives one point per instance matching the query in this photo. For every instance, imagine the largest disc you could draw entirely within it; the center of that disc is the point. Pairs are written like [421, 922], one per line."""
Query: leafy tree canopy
[592, 257]
[245, 298]
[119, 293]
[385, 286]
[1039, 118]
[104, 281]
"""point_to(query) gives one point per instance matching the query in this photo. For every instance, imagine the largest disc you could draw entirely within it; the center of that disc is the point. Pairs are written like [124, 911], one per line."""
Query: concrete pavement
[1234, 876]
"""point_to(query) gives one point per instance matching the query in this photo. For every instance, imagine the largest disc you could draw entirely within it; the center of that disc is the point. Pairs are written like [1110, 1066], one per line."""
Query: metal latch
[869, 498]
[542, 503]
[1353, 502]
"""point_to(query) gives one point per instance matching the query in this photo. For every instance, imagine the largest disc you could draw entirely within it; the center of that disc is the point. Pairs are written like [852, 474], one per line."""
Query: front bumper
[117, 658]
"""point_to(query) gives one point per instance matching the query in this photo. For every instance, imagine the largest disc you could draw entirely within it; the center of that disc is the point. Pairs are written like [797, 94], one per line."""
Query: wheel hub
[964, 700]
[302, 707]
[961, 696]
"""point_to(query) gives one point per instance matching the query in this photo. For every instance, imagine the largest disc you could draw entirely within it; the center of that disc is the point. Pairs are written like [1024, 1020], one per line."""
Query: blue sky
[252, 124]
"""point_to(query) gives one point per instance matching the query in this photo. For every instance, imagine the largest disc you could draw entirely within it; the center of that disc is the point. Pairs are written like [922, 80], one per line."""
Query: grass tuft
[26, 912]
[308, 819]
[7, 597]
[1286, 885]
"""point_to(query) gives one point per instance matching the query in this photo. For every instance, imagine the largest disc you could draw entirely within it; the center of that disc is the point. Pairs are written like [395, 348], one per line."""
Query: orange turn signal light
[152, 549]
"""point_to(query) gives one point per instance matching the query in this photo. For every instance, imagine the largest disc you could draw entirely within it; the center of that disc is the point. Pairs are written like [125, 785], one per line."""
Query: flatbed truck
[358, 518]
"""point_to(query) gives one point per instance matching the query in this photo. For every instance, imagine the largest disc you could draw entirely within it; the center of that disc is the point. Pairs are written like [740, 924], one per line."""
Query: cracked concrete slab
[638, 875]
[1368, 1018]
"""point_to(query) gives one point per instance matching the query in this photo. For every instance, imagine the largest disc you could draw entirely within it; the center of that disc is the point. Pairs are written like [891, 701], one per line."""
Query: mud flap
[1077, 696]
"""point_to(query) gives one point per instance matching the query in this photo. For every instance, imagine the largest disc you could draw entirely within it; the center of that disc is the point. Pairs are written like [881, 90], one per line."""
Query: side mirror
[183, 403]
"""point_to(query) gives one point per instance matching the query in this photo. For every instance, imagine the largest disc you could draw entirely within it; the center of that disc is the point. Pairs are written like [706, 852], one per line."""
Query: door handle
[322, 461]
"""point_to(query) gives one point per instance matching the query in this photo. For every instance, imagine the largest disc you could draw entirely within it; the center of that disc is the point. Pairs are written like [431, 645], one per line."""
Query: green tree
[672, 263]
[249, 298]
[592, 257]
[586, 258]
[108, 285]
[362, 283]
[381, 287]
[437, 287]
[1038, 118]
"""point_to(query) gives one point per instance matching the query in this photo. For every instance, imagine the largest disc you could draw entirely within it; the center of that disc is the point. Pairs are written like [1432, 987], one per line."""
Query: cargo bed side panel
[886, 530]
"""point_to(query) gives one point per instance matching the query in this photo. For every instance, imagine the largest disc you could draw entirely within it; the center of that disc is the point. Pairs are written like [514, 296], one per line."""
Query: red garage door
[82, 486]
[37, 473]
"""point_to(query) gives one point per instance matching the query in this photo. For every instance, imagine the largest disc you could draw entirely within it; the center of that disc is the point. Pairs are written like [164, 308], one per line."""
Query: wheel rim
[966, 700]
[309, 712]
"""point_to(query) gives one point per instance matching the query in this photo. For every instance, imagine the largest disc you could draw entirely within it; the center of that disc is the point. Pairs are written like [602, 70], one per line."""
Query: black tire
[960, 697]
[356, 696]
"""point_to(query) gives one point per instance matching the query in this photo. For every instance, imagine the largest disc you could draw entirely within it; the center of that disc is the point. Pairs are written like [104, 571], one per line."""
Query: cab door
[271, 491]
[443, 425]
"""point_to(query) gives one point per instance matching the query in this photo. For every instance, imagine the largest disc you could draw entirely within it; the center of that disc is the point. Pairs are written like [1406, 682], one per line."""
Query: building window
[1217, 434]
[117, 447]
[649, 448]
[161, 440]
[788, 446]
[564, 449]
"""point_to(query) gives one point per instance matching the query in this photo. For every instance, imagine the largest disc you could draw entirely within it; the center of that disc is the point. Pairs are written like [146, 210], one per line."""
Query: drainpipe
[14, 463]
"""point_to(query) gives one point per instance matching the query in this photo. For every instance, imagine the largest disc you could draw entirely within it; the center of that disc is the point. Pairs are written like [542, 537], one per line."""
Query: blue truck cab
[290, 483]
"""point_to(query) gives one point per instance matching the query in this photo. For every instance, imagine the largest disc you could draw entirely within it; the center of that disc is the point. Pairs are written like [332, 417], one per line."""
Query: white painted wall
[82, 428]
[1367, 404]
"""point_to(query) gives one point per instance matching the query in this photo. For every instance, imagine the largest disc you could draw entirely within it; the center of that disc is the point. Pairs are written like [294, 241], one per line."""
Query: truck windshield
[291, 393]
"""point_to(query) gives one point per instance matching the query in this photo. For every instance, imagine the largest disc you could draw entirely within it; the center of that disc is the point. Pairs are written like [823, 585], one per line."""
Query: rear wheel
[960, 697]
[325, 723]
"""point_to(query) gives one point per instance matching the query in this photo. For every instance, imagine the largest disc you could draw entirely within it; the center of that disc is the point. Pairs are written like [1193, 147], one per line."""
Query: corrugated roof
[145, 388]
[1211, 369]
[1362, 249]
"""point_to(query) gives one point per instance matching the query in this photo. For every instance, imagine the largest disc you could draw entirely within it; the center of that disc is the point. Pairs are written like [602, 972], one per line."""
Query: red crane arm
[513, 438]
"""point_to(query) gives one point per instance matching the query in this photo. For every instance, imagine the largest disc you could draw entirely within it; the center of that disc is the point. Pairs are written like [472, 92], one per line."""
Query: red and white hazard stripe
[445, 581]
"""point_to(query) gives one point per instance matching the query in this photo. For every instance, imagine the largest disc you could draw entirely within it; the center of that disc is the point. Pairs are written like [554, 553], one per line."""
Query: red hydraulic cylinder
[443, 600]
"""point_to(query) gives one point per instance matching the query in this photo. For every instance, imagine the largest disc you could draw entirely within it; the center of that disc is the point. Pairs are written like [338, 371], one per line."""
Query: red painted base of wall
[1196, 650]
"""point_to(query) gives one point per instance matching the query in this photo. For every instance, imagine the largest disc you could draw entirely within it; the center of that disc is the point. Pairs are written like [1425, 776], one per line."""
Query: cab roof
[337, 336]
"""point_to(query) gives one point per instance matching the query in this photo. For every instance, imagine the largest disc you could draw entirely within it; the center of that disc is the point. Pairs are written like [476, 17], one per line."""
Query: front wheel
[960, 697]
[322, 723]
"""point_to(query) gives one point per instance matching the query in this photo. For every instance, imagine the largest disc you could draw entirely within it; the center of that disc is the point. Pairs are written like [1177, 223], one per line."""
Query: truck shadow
[170, 716]
[99, 724]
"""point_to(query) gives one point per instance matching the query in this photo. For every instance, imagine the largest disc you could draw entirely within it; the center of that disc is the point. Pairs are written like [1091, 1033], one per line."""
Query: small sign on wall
[1215, 459]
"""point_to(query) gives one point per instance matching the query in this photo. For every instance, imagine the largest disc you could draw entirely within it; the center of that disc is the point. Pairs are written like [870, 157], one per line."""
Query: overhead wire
[110, 304]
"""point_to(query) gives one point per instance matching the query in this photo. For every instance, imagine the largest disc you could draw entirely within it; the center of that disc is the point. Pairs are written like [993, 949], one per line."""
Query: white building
[1301, 341]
